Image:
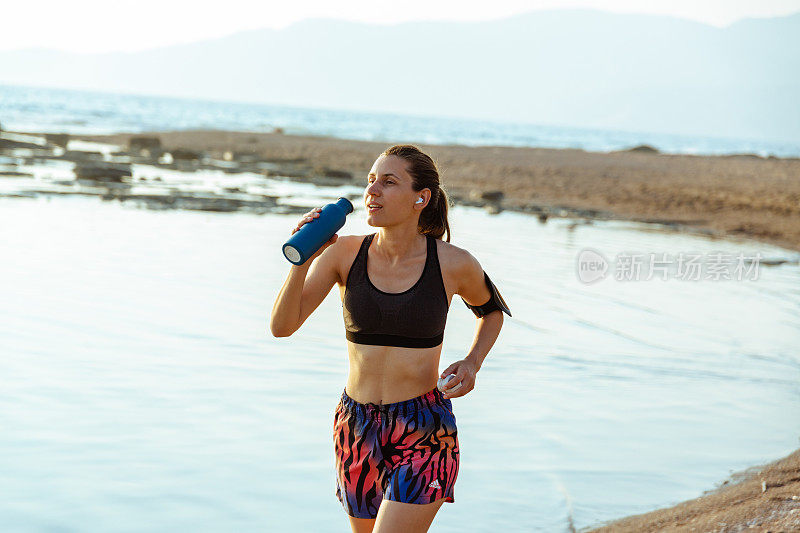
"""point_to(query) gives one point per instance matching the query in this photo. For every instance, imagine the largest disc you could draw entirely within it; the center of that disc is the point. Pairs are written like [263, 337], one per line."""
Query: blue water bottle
[313, 234]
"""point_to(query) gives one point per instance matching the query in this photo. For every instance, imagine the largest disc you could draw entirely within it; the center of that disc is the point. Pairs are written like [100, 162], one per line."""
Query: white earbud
[420, 200]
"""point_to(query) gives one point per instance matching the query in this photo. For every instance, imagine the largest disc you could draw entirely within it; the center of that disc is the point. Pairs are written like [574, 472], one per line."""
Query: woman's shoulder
[454, 257]
[459, 267]
[347, 246]
[346, 249]
[352, 240]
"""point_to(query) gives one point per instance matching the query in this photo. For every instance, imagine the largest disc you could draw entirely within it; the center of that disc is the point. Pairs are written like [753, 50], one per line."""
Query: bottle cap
[345, 204]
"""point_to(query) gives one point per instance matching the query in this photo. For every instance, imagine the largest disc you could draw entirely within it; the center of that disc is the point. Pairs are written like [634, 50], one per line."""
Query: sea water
[141, 389]
[38, 109]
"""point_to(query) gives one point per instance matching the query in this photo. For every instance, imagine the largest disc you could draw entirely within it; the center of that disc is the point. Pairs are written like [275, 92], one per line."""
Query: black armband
[495, 302]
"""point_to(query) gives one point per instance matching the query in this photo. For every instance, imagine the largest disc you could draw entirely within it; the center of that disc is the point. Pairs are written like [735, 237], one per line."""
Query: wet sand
[762, 498]
[721, 196]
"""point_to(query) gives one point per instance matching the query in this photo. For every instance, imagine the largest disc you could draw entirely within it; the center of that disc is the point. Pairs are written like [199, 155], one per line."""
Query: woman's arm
[476, 290]
[286, 309]
[300, 295]
[473, 288]
[488, 330]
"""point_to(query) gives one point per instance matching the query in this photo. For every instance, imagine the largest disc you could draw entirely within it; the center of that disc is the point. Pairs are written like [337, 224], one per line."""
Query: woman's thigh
[396, 517]
[362, 525]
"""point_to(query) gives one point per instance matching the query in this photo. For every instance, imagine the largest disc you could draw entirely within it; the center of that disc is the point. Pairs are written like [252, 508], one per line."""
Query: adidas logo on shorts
[435, 484]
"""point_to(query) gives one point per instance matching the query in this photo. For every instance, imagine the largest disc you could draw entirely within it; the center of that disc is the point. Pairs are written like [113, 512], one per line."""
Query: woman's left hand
[465, 372]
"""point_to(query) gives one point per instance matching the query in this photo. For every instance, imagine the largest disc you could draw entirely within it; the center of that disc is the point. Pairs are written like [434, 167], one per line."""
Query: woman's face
[389, 185]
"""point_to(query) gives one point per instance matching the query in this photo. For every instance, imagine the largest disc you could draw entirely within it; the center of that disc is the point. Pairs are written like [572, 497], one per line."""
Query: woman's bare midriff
[389, 374]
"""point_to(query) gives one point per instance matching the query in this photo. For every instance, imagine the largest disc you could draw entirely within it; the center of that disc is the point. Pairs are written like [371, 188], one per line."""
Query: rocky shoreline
[718, 196]
[110, 177]
[740, 196]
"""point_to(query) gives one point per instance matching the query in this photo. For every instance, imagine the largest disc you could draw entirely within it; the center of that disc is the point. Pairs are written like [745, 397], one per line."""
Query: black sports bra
[414, 318]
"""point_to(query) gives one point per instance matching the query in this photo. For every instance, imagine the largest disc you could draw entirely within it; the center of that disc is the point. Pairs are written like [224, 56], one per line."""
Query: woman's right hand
[308, 217]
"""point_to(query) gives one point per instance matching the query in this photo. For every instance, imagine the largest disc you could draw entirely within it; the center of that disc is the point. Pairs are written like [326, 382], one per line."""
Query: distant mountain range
[580, 68]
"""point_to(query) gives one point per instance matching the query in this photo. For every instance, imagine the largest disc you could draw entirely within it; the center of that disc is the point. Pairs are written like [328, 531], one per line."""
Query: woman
[394, 431]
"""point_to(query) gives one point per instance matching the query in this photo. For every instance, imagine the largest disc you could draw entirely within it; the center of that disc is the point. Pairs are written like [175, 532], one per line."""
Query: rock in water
[101, 171]
[144, 142]
[57, 139]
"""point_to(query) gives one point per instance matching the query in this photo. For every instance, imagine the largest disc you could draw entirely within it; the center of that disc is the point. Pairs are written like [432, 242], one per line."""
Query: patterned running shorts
[405, 452]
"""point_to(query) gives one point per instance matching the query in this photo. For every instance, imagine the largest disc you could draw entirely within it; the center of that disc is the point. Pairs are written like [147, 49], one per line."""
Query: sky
[96, 26]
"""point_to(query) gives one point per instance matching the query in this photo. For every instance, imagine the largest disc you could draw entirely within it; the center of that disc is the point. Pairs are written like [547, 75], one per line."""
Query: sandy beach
[720, 196]
[763, 498]
[738, 196]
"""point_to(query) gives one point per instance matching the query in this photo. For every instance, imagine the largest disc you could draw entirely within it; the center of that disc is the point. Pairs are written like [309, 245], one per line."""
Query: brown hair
[433, 219]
